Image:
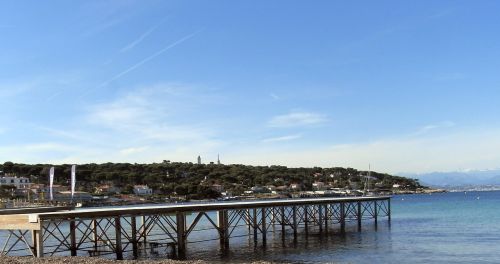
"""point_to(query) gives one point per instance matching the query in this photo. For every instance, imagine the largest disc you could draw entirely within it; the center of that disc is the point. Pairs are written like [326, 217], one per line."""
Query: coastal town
[17, 189]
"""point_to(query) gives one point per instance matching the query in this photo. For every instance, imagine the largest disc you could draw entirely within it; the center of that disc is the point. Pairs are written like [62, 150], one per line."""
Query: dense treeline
[195, 179]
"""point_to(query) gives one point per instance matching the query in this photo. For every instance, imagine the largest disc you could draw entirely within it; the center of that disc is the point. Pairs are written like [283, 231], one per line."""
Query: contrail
[142, 37]
[139, 64]
[138, 40]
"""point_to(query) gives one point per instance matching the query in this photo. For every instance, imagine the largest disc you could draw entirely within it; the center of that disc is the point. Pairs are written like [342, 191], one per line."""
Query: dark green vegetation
[189, 179]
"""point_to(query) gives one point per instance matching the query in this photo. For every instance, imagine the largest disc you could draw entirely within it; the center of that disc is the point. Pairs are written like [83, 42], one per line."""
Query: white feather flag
[73, 180]
[51, 183]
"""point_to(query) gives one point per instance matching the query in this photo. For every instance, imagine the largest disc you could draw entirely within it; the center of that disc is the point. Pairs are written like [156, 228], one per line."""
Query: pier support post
[118, 239]
[282, 209]
[255, 225]
[72, 237]
[248, 221]
[264, 226]
[375, 212]
[181, 234]
[389, 209]
[144, 230]
[222, 222]
[325, 216]
[273, 215]
[94, 233]
[320, 217]
[360, 216]
[38, 242]
[33, 242]
[133, 227]
[306, 219]
[342, 217]
[295, 225]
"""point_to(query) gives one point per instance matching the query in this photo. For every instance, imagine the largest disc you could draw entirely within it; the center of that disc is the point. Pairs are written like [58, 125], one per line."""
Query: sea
[459, 227]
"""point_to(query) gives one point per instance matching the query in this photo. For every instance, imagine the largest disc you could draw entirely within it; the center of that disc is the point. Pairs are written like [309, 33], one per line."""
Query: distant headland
[130, 183]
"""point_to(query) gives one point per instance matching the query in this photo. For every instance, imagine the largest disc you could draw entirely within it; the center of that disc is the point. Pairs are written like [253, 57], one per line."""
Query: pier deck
[100, 231]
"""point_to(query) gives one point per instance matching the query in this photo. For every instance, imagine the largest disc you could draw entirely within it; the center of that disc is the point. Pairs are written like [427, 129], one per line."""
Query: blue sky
[406, 86]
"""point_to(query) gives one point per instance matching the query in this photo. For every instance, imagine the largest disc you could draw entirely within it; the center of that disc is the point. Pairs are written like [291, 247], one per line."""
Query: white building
[318, 186]
[18, 182]
[142, 190]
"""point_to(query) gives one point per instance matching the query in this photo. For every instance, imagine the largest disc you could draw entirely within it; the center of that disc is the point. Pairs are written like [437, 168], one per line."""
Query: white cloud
[34, 152]
[129, 151]
[147, 124]
[147, 114]
[295, 119]
[283, 138]
[476, 149]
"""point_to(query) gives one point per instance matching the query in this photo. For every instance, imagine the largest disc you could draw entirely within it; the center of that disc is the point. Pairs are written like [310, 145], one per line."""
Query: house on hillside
[260, 189]
[18, 182]
[296, 187]
[142, 190]
[107, 189]
[318, 186]
[217, 187]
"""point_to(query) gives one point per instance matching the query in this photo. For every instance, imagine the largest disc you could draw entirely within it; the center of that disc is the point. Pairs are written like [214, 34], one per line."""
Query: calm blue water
[438, 228]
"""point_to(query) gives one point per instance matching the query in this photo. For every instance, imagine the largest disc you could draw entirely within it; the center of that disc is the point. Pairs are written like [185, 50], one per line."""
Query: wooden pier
[128, 231]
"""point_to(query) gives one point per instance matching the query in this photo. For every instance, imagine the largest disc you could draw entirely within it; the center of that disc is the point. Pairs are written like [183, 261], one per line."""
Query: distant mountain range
[458, 178]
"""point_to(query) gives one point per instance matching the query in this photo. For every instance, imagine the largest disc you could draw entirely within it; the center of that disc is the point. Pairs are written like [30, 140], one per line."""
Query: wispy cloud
[133, 150]
[282, 138]
[101, 27]
[426, 129]
[14, 88]
[274, 96]
[147, 114]
[144, 35]
[295, 119]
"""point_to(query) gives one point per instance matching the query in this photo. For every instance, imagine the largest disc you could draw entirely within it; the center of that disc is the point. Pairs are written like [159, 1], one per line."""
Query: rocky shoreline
[95, 260]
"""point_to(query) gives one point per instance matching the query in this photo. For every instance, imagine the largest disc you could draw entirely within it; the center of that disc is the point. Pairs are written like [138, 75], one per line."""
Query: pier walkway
[132, 230]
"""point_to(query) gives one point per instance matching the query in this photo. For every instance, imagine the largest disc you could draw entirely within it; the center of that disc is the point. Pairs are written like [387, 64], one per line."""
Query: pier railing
[132, 230]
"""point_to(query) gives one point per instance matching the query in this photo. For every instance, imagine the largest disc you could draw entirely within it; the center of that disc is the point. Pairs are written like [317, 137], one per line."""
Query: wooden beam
[17, 222]
[199, 207]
